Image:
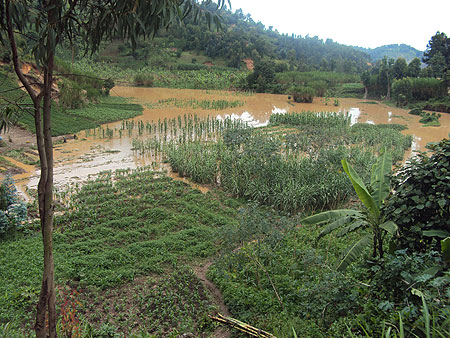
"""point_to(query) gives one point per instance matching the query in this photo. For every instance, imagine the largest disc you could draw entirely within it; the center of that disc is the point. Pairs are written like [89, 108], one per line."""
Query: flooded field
[111, 147]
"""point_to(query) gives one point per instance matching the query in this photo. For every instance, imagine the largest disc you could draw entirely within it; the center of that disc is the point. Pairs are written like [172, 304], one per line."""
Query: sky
[361, 23]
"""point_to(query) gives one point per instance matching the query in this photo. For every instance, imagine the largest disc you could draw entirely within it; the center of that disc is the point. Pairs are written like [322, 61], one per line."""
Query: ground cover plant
[122, 231]
[71, 121]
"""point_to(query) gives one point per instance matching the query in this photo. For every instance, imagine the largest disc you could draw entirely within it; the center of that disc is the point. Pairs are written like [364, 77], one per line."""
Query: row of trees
[379, 79]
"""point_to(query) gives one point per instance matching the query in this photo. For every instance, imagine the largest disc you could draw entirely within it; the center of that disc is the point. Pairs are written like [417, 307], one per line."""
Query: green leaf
[380, 181]
[425, 312]
[436, 233]
[329, 216]
[334, 225]
[352, 227]
[353, 252]
[445, 248]
[361, 189]
[390, 227]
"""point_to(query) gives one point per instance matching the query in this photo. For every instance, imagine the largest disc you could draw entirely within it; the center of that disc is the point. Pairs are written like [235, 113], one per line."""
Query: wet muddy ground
[90, 154]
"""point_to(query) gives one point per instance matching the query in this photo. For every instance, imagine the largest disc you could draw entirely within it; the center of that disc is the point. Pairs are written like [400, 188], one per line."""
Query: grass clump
[144, 80]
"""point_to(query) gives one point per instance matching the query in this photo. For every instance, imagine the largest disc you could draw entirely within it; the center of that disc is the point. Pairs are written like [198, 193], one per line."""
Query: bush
[431, 119]
[416, 111]
[71, 95]
[144, 80]
[12, 211]
[303, 94]
[420, 205]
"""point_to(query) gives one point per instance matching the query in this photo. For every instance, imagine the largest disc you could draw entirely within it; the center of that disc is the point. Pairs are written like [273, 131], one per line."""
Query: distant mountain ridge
[392, 51]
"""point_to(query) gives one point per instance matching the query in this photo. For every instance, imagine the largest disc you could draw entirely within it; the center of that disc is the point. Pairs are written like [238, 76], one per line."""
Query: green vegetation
[277, 165]
[71, 121]
[348, 220]
[428, 119]
[422, 199]
[302, 94]
[394, 51]
[197, 104]
[103, 243]
[23, 155]
[144, 80]
[90, 114]
[13, 212]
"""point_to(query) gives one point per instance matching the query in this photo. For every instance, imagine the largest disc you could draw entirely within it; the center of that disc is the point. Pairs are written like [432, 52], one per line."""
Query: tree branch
[12, 42]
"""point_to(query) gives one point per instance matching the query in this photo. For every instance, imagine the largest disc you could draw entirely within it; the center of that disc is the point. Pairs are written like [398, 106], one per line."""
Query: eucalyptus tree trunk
[46, 310]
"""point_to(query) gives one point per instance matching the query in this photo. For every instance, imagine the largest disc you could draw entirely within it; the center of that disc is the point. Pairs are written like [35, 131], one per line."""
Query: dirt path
[200, 272]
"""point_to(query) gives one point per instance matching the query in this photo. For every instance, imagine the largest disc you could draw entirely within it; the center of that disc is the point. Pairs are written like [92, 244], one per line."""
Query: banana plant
[349, 220]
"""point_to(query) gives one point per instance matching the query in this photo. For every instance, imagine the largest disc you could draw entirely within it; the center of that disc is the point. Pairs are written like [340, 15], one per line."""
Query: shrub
[144, 80]
[420, 205]
[303, 94]
[416, 111]
[71, 95]
[431, 119]
[12, 211]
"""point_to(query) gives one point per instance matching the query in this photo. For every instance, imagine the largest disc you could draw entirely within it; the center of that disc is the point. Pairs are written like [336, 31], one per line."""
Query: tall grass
[293, 168]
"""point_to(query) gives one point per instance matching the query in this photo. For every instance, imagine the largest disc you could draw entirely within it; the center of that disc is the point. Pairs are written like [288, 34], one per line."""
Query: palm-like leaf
[329, 216]
[334, 225]
[390, 227]
[353, 252]
[352, 227]
[445, 247]
[380, 180]
[361, 189]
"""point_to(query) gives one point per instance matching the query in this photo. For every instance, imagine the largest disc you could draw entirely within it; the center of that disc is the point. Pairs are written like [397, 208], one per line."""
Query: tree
[385, 75]
[437, 54]
[365, 78]
[47, 24]
[399, 68]
[349, 220]
[262, 77]
[413, 69]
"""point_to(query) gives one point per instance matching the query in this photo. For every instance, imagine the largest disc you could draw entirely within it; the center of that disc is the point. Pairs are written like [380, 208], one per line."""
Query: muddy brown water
[77, 159]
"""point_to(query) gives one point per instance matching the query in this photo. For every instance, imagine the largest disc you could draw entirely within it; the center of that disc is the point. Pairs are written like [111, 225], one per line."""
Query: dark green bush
[303, 94]
[416, 111]
[420, 204]
[430, 118]
[12, 211]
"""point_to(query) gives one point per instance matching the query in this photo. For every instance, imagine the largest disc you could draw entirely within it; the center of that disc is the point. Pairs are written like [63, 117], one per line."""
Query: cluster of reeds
[293, 165]
[199, 104]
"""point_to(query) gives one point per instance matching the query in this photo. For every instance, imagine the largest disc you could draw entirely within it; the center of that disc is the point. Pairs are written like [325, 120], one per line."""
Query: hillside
[392, 51]
[240, 38]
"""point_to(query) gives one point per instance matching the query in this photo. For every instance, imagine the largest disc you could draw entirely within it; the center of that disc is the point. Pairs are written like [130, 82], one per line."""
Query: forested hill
[392, 51]
[243, 38]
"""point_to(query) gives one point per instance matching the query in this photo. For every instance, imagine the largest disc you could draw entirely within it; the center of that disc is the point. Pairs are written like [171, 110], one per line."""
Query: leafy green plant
[420, 204]
[430, 119]
[349, 220]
